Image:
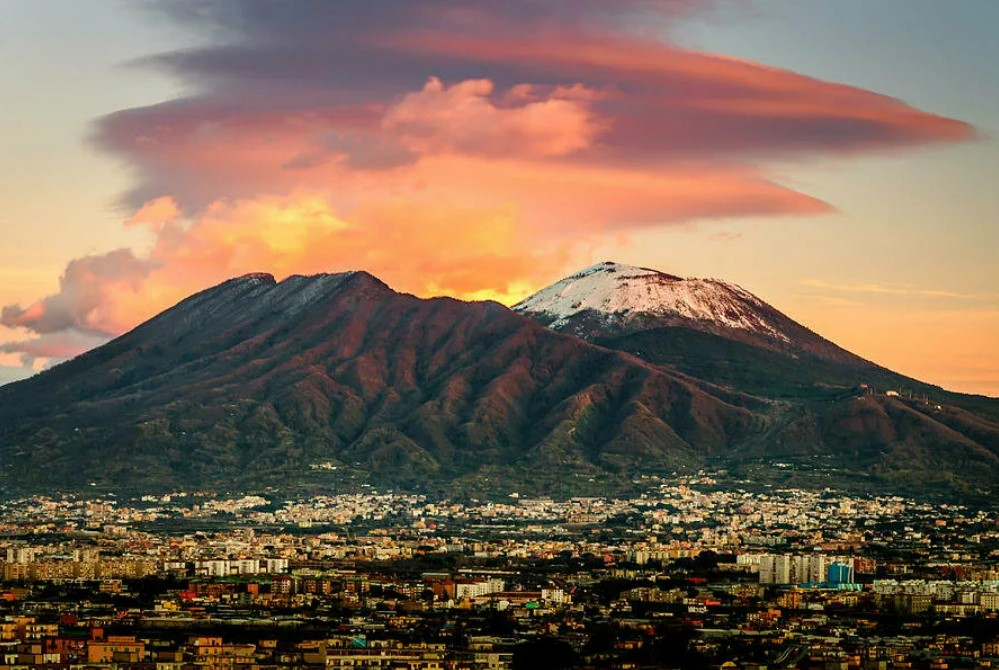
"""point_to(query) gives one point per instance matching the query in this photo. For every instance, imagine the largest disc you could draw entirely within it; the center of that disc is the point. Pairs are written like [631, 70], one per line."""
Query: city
[499, 335]
[701, 572]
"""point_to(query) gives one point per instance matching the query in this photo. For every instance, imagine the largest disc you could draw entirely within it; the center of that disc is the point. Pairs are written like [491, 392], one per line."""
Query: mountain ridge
[364, 376]
[828, 396]
[252, 382]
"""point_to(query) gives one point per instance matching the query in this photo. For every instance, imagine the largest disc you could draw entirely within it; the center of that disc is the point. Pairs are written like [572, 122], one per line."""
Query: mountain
[828, 405]
[337, 382]
[612, 299]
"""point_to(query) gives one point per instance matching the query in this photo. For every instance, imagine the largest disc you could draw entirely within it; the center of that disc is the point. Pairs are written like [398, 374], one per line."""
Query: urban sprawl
[696, 573]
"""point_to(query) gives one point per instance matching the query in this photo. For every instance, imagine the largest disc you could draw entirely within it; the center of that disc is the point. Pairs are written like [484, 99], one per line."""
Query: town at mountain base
[615, 374]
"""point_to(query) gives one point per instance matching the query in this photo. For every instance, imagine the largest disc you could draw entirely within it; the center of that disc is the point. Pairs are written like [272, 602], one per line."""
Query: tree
[545, 653]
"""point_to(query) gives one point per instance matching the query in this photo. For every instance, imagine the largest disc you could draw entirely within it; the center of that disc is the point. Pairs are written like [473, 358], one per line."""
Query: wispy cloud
[904, 290]
[726, 235]
[830, 300]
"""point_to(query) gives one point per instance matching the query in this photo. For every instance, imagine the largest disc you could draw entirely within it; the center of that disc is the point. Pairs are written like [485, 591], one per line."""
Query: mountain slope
[715, 331]
[336, 381]
[830, 406]
[256, 383]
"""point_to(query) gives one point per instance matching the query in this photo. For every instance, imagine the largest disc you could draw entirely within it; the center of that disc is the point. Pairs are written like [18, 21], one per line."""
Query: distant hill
[336, 381]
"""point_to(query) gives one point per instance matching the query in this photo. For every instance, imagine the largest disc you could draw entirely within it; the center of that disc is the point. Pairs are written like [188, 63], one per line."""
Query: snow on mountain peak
[257, 278]
[618, 291]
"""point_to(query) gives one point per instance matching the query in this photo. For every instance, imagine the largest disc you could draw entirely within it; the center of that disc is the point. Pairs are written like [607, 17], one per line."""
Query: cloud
[726, 235]
[472, 148]
[398, 240]
[829, 300]
[283, 92]
[61, 345]
[463, 118]
[86, 298]
[675, 102]
[46, 349]
[901, 290]
[155, 214]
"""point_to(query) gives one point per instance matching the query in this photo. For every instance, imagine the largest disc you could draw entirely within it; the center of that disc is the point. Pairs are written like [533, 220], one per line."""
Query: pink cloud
[674, 102]
[398, 240]
[464, 149]
[463, 118]
[85, 301]
[42, 350]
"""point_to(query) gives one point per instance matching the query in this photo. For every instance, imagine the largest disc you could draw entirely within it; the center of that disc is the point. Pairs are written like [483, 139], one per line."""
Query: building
[839, 573]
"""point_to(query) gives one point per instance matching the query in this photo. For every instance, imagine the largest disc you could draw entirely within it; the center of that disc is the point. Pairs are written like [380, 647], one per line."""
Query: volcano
[336, 382]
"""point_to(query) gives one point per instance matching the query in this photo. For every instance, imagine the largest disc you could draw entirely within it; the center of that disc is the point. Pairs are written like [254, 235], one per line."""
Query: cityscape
[499, 335]
[700, 572]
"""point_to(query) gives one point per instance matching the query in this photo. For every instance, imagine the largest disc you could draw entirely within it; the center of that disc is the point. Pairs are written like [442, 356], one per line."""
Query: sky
[836, 158]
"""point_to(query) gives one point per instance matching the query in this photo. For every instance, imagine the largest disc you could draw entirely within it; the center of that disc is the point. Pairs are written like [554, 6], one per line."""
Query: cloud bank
[471, 149]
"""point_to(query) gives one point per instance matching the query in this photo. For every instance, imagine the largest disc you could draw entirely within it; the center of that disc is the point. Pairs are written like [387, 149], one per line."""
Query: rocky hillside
[832, 414]
[339, 382]
[337, 377]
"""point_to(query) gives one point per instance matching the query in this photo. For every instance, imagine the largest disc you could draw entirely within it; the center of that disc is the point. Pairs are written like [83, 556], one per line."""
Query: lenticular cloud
[450, 148]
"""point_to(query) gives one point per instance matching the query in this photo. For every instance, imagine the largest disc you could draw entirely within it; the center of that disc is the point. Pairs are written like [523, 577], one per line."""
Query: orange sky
[485, 152]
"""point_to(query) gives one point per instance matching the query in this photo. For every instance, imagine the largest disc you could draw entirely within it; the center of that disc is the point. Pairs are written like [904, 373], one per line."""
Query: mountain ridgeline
[334, 382]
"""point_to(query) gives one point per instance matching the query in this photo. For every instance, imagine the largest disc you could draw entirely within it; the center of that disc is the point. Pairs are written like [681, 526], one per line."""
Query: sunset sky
[838, 158]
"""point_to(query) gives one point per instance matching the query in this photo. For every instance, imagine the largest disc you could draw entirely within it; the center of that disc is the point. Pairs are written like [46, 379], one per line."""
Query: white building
[474, 589]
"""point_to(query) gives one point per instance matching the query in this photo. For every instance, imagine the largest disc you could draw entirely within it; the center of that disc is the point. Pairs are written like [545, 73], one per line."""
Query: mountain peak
[261, 277]
[612, 268]
[312, 285]
[612, 299]
[617, 293]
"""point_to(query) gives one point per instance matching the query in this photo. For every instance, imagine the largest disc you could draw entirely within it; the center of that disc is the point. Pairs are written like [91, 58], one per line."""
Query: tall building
[801, 569]
[840, 573]
[767, 569]
[818, 568]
